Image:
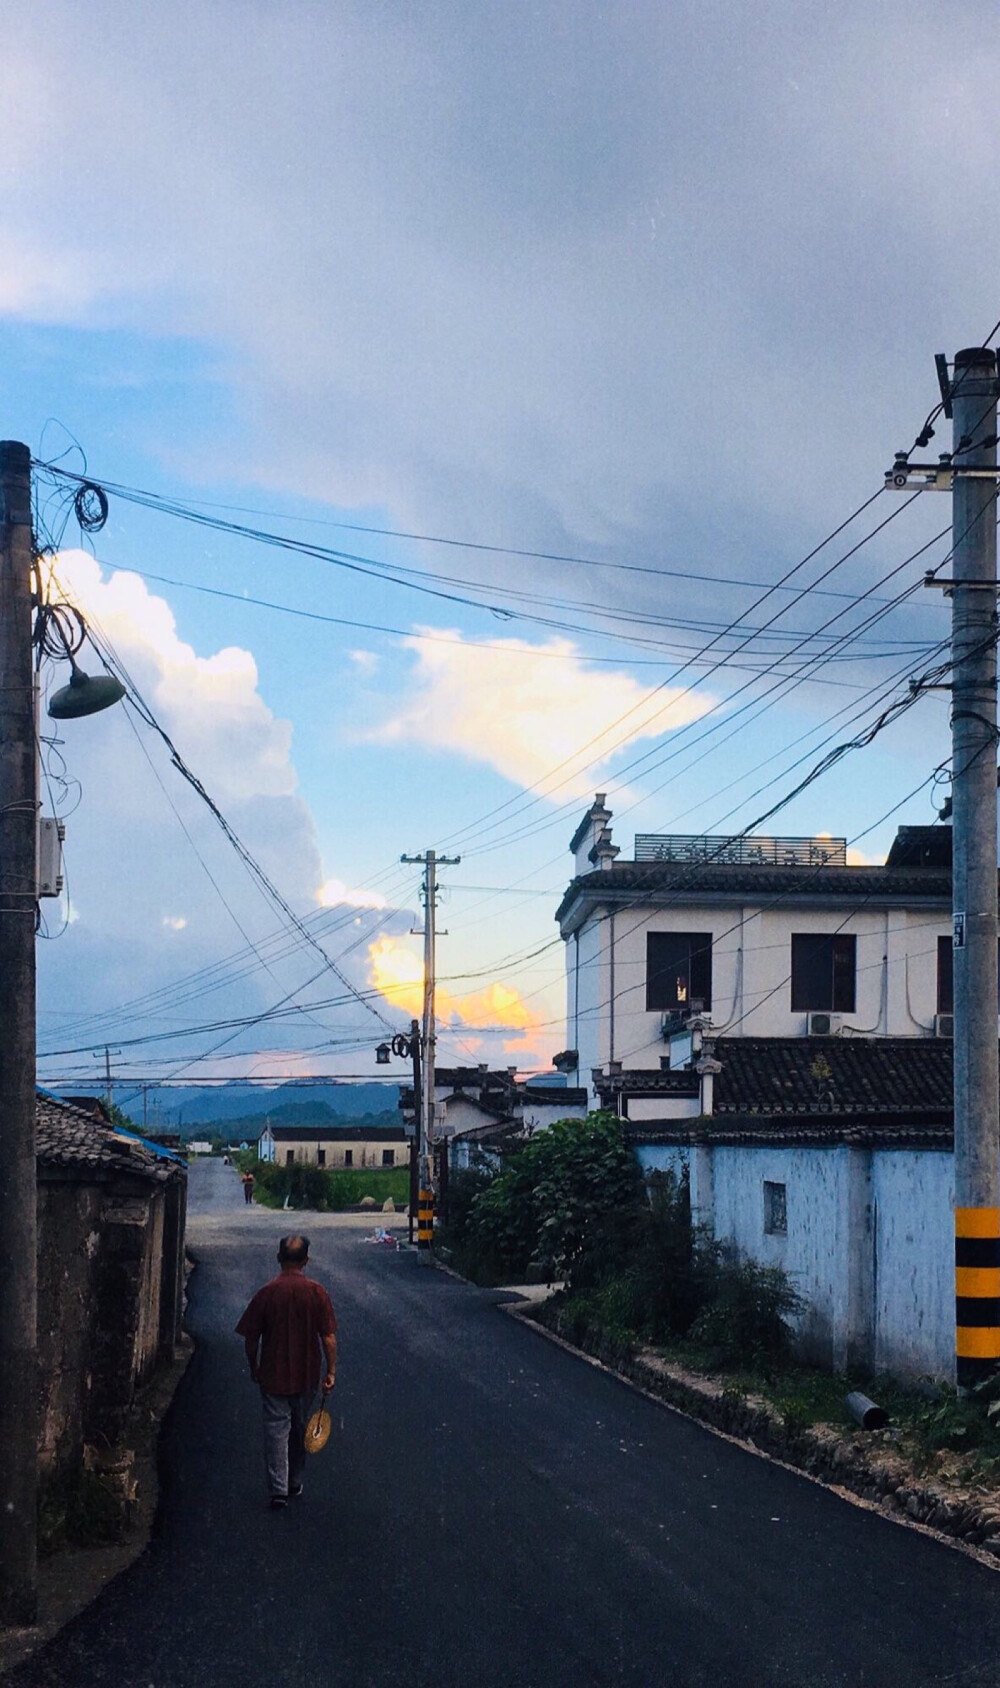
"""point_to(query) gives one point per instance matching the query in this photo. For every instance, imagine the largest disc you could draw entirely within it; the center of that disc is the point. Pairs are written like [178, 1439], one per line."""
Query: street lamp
[406, 1045]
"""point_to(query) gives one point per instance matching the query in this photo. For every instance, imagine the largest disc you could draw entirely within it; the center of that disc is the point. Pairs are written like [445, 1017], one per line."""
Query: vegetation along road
[492, 1510]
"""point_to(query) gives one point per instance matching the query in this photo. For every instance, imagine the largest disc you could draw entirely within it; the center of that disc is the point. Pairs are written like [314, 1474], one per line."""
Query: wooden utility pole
[974, 839]
[430, 861]
[18, 1222]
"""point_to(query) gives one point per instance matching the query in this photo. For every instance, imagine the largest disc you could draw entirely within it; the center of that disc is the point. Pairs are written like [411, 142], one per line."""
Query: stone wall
[110, 1259]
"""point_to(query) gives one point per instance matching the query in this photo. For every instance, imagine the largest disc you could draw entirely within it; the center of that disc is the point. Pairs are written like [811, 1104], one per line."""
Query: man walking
[288, 1325]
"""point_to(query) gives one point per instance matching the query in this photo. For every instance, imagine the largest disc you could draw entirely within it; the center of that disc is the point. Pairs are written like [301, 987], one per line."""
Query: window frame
[698, 960]
[775, 1208]
[388, 1157]
[805, 974]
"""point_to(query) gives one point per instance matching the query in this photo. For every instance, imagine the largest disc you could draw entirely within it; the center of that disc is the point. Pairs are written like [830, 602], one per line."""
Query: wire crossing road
[492, 1512]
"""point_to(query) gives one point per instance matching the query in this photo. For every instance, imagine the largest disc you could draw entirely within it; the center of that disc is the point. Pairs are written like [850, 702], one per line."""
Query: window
[823, 968]
[320, 1157]
[388, 1157]
[775, 1209]
[946, 976]
[348, 1157]
[289, 1157]
[678, 970]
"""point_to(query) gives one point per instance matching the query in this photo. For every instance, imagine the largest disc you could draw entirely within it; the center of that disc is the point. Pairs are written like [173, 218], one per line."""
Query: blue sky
[655, 286]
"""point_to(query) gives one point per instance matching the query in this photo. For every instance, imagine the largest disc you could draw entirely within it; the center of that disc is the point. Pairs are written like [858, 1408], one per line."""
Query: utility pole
[974, 873]
[108, 1081]
[18, 1222]
[430, 861]
[969, 473]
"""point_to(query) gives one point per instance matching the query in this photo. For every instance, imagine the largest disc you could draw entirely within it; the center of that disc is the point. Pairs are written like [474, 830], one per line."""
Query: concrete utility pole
[430, 861]
[974, 844]
[18, 1224]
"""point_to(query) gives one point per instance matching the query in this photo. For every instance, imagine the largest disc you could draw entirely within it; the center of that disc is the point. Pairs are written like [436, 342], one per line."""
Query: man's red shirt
[289, 1316]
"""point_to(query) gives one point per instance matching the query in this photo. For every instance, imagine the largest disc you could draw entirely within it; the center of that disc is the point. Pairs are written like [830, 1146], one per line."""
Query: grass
[320, 1189]
[78, 1511]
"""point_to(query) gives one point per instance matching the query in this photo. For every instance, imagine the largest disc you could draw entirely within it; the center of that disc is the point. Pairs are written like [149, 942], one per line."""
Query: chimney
[595, 824]
[706, 1069]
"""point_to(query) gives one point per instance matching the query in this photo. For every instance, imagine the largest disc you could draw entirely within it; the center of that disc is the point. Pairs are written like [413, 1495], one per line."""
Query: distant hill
[189, 1109]
[249, 1126]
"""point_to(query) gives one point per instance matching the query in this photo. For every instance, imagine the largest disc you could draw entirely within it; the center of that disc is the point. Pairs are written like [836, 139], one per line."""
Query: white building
[476, 1108]
[777, 1024]
[769, 937]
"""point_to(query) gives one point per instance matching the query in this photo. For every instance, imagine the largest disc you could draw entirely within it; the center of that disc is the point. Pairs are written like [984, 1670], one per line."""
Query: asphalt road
[493, 1512]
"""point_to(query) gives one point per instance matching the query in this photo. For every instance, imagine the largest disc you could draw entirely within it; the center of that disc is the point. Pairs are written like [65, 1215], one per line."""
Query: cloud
[141, 842]
[397, 971]
[535, 719]
[611, 306]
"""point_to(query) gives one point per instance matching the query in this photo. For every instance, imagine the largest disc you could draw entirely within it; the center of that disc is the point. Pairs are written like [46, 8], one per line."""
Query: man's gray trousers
[285, 1420]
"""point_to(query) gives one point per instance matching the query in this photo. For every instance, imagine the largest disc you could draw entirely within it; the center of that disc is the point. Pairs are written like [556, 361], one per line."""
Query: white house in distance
[778, 1024]
[476, 1109]
[334, 1145]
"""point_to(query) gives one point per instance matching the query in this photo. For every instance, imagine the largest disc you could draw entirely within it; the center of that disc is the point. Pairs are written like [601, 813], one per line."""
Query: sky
[649, 292]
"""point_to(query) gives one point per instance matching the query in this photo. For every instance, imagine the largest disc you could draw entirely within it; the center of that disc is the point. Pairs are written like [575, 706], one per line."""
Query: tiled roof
[804, 1130]
[817, 884]
[552, 1095]
[336, 1133]
[813, 1075]
[73, 1139]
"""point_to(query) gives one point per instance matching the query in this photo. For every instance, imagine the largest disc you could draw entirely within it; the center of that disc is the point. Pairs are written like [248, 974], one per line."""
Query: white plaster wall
[913, 1193]
[751, 963]
[663, 1107]
[663, 1157]
[538, 1116]
[813, 1252]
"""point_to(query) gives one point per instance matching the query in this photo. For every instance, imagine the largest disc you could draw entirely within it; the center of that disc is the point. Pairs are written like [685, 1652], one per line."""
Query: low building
[479, 1112]
[111, 1212]
[334, 1145]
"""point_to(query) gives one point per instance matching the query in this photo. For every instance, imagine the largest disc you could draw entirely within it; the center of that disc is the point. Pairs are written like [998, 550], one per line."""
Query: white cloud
[142, 841]
[533, 718]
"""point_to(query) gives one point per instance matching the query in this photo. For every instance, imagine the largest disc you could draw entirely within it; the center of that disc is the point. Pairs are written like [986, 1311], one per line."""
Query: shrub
[563, 1194]
[78, 1510]
[746, 1321]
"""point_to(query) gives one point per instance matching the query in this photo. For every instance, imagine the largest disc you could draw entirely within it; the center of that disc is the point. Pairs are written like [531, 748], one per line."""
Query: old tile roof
[804, 1130]
[696, 881]
[812, 1075]
[359, 1133]
[72, 1139]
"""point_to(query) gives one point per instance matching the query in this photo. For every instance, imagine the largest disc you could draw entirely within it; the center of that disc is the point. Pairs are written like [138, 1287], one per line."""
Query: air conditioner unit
[822, 1025]
[944, 1025]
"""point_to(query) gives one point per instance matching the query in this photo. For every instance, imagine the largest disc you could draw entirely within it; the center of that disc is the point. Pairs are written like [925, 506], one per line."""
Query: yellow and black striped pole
[425, 1219]
[977, 1293]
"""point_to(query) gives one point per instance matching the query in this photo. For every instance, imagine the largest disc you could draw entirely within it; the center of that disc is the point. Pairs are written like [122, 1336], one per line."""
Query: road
[493, 1512]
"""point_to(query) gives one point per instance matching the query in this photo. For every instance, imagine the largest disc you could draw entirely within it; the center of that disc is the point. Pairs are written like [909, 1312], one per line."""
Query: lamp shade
[85, 695]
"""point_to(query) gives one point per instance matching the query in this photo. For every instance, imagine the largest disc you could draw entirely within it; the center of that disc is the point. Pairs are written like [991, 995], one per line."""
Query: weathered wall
[913, 1193]
[869, 1242]
[110, 1269]
[364, 1151]
[68, 1239]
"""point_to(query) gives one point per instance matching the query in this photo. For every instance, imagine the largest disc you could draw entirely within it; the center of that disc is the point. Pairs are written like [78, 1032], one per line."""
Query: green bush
[746, 1321]
[322, 1189]
[564, 1193]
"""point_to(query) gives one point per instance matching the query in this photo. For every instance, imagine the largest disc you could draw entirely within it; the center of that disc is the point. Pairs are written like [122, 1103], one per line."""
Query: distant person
[248, 1187]
[289, 1325]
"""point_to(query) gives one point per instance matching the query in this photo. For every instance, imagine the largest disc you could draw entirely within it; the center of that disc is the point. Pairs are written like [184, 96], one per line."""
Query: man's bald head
[293, 1251]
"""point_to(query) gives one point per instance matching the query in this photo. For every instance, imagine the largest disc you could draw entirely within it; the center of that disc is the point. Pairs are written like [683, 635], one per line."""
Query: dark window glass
[320, 1157]
[823, 969]
[289, 1157]
[388, 1157]
[946, 976]
[348, 1157]
[678, 970]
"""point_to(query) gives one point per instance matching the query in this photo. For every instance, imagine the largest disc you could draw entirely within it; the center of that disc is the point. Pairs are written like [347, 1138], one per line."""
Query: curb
[844, 1468]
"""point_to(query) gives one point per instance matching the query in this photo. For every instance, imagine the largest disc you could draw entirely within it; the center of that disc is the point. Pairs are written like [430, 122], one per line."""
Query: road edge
[690, 1404]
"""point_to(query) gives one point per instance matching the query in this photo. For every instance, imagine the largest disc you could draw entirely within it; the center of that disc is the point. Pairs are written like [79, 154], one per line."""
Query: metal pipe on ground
[865, 1412]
